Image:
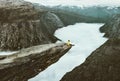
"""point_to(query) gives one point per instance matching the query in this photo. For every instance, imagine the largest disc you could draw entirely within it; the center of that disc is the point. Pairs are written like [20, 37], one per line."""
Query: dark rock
[51, 22]
[112, 27]
[28, 62]
[21, 25]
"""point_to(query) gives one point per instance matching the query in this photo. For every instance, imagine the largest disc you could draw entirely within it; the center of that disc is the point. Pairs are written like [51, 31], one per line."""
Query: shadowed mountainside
[98, 14]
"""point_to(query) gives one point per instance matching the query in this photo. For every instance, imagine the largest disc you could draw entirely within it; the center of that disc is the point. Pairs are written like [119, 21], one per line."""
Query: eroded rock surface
[21, 25]
[28, 62]
[112, 27]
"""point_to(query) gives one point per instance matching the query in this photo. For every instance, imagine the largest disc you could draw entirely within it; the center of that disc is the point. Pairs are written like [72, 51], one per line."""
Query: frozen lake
[86, 37]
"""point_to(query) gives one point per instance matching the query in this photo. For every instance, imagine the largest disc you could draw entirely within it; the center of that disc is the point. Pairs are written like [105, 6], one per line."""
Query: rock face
[51, 22]
[112, 27]
[21, 25]
[104, 63]
[29, 62]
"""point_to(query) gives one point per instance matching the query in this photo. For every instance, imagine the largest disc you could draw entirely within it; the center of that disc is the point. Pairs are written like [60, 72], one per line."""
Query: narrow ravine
[86, 37]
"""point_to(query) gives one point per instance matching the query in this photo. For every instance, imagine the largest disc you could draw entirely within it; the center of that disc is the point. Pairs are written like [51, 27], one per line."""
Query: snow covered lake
[86, 37]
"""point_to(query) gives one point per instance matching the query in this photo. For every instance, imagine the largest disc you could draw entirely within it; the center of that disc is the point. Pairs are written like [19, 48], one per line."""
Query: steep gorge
[104, 63]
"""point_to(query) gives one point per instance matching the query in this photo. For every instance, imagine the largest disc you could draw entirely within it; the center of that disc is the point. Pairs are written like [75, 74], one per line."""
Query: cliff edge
[28, 62]
[22, 25]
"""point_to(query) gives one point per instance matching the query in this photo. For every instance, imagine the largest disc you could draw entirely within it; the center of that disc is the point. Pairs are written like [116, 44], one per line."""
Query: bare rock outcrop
[28, 62]
[21, 25]
[112, 27]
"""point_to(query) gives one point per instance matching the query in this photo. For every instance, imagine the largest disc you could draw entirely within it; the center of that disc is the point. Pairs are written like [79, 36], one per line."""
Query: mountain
[22, 25]
[98, 14]
[73, 14]
[104, 63]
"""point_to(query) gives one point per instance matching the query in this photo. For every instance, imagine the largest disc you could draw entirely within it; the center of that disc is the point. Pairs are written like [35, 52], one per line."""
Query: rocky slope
[28, 62]
[22, 25]
[104, 63]
[112, 27]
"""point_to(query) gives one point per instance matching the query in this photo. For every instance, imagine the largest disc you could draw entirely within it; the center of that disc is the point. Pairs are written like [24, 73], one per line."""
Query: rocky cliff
[112, 27]
[104, 63]
[22, 25]
[28, 62]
